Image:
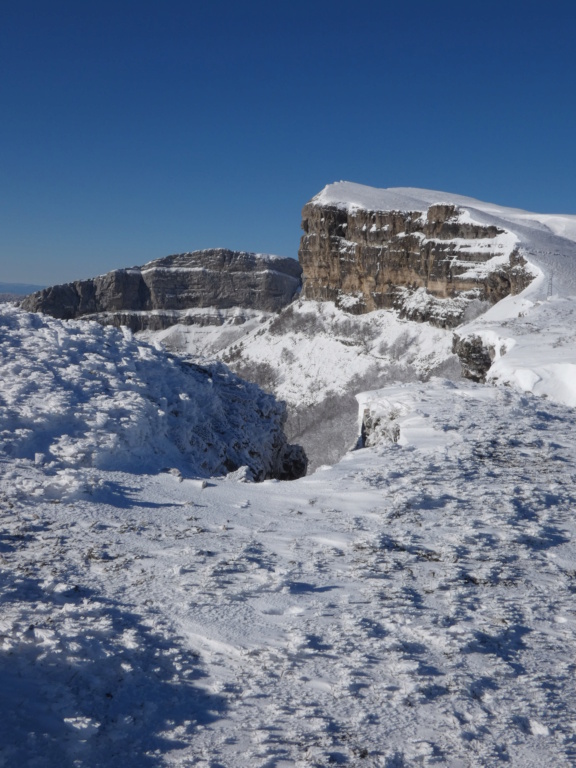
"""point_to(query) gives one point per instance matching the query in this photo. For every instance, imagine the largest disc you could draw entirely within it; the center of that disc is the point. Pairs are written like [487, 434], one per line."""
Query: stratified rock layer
[428, 264]
[216, 278]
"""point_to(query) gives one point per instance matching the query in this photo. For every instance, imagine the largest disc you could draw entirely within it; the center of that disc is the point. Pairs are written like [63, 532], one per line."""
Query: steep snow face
[79, 394]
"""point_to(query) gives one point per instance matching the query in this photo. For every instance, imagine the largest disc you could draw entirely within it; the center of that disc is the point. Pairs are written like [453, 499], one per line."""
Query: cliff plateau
[438, 264]
[160, 293]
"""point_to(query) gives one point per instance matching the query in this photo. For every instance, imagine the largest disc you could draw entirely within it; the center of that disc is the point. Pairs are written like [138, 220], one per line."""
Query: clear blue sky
[131, 130]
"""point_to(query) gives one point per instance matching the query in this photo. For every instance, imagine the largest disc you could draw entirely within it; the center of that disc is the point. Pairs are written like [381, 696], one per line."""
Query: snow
[79, 394]
[210, 331]
[533, 342]
[326, 347]
[412, 605]
[348, 195]
[542, 358]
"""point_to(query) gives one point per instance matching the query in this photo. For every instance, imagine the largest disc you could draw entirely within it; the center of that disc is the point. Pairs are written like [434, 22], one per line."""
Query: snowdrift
[77, 394]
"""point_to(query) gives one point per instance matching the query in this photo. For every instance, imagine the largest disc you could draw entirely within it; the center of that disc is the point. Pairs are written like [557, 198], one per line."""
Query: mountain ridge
[209, 278]
[317, 355]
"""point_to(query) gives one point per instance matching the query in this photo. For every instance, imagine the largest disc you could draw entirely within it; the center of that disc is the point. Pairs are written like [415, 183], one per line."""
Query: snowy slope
[412, 606]
[79, 394]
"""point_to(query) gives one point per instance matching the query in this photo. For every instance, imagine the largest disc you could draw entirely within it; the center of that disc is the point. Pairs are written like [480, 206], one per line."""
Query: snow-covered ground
[412, 605]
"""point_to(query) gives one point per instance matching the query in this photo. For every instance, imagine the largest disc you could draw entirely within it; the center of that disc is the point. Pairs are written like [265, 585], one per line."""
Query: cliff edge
[435, 264]
[157, 295]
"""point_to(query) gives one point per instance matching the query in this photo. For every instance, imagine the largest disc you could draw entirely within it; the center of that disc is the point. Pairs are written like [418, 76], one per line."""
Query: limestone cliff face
[428, 264]
[154, 295]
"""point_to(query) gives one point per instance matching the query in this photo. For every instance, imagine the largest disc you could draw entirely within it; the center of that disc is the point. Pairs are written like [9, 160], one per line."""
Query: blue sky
[132, 130]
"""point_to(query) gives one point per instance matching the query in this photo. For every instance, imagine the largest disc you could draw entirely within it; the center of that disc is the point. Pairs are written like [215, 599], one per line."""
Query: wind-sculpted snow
[530, 345]
[77, 394]
[411, 606]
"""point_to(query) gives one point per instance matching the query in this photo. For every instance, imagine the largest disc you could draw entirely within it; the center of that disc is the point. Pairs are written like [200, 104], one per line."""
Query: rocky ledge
[157, 294]
[436, 265]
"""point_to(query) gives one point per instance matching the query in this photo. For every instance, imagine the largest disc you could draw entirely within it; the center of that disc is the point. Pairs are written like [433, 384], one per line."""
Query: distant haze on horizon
[135, 130]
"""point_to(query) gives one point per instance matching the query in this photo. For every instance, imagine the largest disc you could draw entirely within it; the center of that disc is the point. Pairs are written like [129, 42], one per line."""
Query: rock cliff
[158, 294]
[431, 265]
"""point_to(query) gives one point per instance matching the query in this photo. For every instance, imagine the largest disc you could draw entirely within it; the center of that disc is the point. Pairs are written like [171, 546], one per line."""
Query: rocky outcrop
[476, 356]
[428, 264]
[157, 294]
[478, 349]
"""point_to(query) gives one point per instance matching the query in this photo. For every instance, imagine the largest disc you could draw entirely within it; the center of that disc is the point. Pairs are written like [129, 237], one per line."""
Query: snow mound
[414, 415]
[76, 394]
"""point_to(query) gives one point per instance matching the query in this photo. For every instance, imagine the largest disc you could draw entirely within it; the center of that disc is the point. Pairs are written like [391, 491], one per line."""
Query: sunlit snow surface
[75, 394]
[413, 605]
